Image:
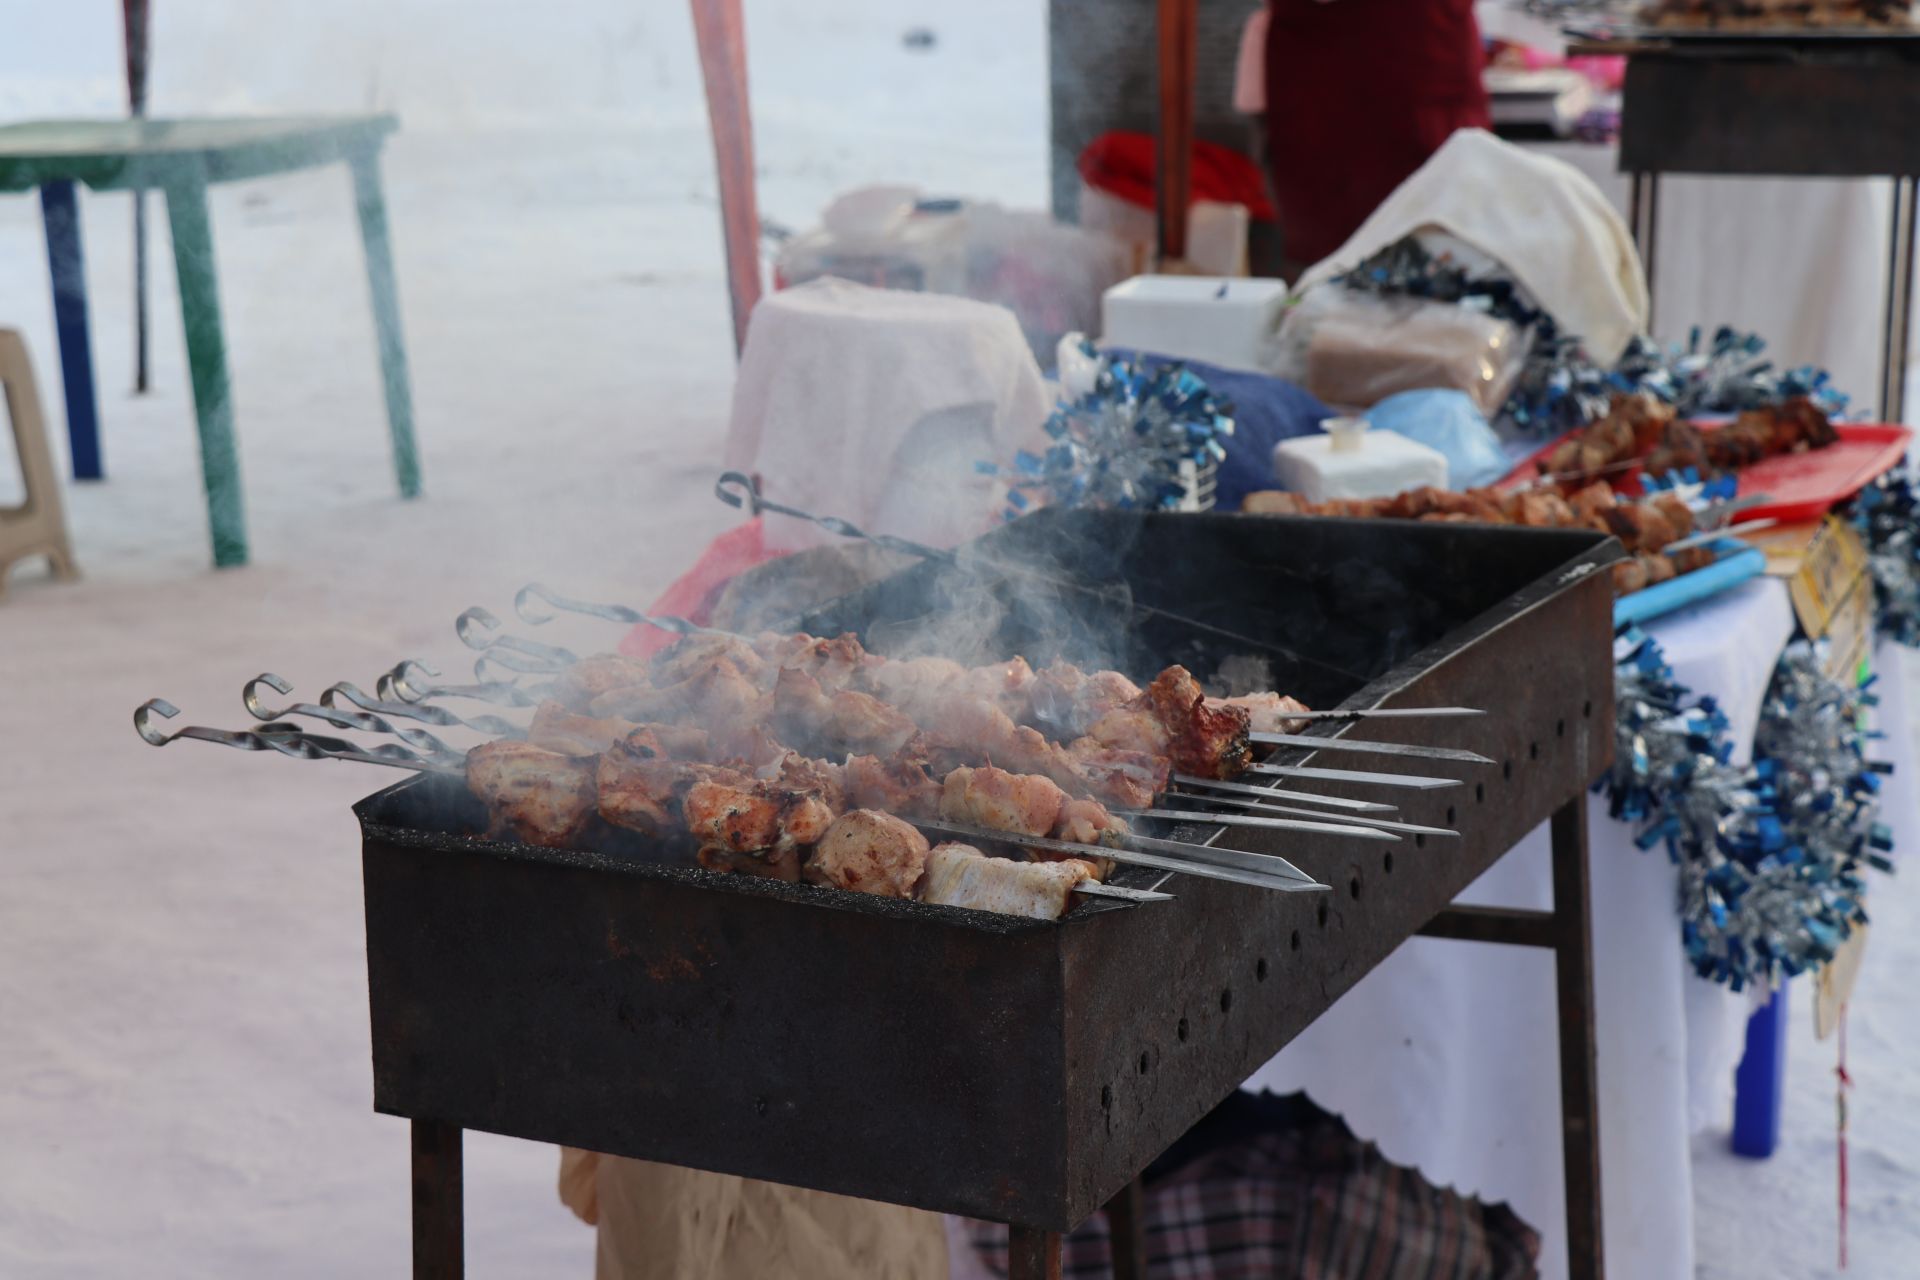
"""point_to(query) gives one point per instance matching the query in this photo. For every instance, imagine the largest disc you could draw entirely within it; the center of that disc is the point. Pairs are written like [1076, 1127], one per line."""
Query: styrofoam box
[1221, 320]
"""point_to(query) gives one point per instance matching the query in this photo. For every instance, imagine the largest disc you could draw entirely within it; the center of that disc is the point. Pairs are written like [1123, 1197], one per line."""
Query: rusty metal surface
[1743, 112]
[1016, 1070]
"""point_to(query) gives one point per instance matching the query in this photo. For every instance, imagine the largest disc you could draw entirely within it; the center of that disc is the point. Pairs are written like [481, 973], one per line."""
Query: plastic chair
[37, 526]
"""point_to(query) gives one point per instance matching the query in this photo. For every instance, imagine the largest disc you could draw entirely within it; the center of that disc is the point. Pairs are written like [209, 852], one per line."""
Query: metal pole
[1894, 333]
[134, 15]
[1579, 1089]
[1032, 1254]
[1127, 1232]
[439, 1245]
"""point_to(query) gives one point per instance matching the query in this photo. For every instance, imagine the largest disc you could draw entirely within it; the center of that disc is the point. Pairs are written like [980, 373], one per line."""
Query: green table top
[110, 154]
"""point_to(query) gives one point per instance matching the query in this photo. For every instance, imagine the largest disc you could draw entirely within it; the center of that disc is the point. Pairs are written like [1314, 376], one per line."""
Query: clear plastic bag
[1354, 349]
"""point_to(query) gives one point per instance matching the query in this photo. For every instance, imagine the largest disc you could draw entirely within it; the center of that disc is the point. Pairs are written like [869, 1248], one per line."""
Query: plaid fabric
[1281, 1190]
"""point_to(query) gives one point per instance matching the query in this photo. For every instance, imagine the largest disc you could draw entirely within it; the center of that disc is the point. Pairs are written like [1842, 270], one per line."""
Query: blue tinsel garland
[1887, 514]
[1771, 854]
[1122, 442]
[1561, 387]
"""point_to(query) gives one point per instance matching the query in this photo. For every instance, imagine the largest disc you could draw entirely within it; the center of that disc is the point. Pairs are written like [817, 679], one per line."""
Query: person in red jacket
[1358, 94]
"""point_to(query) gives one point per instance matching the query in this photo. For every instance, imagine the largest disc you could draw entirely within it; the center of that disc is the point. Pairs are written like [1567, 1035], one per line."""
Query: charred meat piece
[578, 686]
[541, 797]
[718, 693]
[1026, 804]
[896, 785]
[558, 729]
[1267, 712]
[959, 875]
[1171, 718]
[842, 721]
[752, 818]
[643, 792]
[867, 851]
[692, 655]
[1065, 701]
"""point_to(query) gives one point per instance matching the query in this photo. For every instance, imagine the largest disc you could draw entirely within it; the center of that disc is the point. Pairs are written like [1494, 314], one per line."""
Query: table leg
[1895, 334]
[1643, 220]
[439, 1245]
[1760, 1083]
[1032, 1254]
[372, 203]
[1127, 1232]
[1579, 1105]
[60, 210]
[207, 361]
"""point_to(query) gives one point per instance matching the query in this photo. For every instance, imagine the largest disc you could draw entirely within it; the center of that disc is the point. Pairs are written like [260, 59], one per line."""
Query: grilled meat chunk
[578, 686]
[558, 729]
[869, 852]
[959, 875]
[539, 796]
[1027, 804]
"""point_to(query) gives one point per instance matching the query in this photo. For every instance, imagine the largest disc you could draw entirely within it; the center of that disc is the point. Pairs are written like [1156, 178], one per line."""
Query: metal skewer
[1264, 871]
[284, 738]
[1304, 797]
[1706, 536]
[1413, 780]
[1383, 713]
[1097, 889]
[404, 684]
[1372, 830]
[479, 629]
[610, 612]
[425, 712]
[1377, 748]
[419, 739]
[1186, 815]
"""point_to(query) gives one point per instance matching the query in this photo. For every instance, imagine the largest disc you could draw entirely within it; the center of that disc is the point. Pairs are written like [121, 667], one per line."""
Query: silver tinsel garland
[1770, 854]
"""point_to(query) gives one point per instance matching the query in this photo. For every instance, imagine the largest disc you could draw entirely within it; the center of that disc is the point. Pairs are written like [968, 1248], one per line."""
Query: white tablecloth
[1801, 262]
[1446, 1055]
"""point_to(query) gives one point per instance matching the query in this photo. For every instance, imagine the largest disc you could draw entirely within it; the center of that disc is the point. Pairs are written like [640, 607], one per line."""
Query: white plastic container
[1351, 461]
[1223, 321]
[886, 237]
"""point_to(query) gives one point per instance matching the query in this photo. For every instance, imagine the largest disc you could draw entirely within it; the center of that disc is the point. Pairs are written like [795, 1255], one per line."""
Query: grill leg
[1573, 967]
[1032, 1254]
[439, 1247]
[1127, 1231]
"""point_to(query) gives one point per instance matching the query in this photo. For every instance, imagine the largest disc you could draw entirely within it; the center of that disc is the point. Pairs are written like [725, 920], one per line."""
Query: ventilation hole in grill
[1506, 771]
[1321, 915]
[1353, 887]
[759, 1106]
[1293, 943]
[1106, 1097]
[1226, 1000]
[1181, 1031]
[1260, 967]
[1419, 842]
[1559, 728]
[1451, 818]
[1143, 1062]
[1386, 861]
[1479, 793]
[1586, 709]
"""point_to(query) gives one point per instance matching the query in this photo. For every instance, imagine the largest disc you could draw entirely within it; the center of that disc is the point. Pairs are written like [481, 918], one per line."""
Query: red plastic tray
[1803, 486]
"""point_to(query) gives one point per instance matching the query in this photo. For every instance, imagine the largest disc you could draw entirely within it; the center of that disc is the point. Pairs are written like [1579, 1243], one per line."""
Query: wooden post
[1173, 149]
[1127, 1232]
[720, 30]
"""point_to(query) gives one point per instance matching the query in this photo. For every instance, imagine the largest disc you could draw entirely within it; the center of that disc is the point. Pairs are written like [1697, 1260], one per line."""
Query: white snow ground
[184, 1085]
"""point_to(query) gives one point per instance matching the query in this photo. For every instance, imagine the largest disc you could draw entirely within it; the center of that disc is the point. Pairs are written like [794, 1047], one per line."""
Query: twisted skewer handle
[533, 614]
[737, 489]
[425, 712]
[480, 629]
[283, 738]
[411, 680]
[367, 722]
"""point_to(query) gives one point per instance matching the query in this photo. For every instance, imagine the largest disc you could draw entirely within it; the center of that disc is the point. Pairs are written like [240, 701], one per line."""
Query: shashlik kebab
[834, 695]
[1646, 528]
[1643, 427]
[770, 818]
